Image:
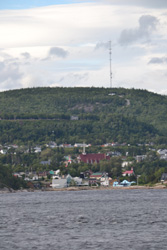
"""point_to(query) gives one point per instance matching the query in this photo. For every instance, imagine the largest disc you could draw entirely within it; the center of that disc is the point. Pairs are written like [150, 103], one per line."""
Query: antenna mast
[110, 53]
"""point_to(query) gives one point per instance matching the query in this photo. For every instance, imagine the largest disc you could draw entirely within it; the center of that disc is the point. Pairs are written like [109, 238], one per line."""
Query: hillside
[38, 115]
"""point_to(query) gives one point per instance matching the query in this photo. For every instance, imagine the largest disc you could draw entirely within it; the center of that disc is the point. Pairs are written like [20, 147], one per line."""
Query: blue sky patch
[22, 4]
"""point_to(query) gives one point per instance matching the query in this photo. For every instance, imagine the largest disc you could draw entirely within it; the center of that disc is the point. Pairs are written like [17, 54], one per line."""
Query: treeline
[28, 116]
[7, 116]
[8, 180]
[151, 169]
[107, 129]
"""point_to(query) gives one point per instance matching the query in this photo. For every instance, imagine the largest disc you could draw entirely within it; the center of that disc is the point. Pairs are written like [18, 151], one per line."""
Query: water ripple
[107, 219]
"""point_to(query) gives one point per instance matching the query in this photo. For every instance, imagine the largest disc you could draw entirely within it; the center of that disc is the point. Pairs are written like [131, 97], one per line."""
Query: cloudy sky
[66, 43]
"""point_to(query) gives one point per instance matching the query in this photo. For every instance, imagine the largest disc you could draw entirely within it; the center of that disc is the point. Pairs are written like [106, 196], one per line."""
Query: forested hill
[42, 114]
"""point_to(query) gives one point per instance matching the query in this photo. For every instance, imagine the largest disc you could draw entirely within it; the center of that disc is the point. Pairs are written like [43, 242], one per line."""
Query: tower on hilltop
[110, 59]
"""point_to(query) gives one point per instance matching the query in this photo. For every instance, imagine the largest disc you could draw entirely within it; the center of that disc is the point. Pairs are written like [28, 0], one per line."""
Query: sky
[66, 44]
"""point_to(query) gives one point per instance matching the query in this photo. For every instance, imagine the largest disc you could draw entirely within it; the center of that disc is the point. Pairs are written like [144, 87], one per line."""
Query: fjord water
[106, 219]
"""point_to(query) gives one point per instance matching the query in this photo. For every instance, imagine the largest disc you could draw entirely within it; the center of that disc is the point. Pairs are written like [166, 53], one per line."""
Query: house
[104, 181]
[3, 151]
[14, 146]
[116, 184]
[51, 145]
[94, 178]
[51, 172]
[111, 144]
[93, 181]
[74, 118]
[97, 175]
[35, 178]
[18, 175]
[164, 177]
[128, 172]
[67, 145]
[58, 182]
[80, 145]
[124, 183]
[163, 157]
[78, 181]
[68, 160]
[43, 174]
[45, 162]
[162, 151]
[140, 158]
[92, 158]
[115, 153]
[86, 174]
[162, 154]
[37, 149]
[27, 179]
[99, 178]
[114, 144]
[126, 163]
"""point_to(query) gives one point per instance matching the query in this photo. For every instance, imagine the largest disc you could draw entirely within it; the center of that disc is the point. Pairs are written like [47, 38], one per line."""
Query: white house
[3, 151]
[37, 149]
[126, 163]
[162, 154]
[104, 181]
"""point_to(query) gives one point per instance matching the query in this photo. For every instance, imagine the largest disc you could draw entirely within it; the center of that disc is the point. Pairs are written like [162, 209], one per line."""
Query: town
[66, 165]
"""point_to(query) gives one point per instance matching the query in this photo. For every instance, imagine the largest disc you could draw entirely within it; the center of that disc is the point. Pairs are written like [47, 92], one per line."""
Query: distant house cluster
[162, 154]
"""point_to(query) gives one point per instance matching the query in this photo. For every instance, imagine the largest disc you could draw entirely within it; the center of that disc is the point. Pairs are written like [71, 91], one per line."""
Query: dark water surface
[107, 219]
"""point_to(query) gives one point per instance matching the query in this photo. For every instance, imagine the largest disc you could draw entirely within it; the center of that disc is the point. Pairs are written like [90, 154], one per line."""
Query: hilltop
[38, 115]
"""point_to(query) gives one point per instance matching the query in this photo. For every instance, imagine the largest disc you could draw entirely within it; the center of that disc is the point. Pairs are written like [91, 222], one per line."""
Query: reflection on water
[108, 219]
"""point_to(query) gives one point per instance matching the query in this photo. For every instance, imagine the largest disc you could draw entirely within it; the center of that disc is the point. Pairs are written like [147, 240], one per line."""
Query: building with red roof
[92, 158]
[128, 172]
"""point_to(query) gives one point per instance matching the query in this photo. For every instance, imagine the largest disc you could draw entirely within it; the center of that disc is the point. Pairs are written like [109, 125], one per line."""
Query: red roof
[96, 175]
[93, 158]
[128, 172]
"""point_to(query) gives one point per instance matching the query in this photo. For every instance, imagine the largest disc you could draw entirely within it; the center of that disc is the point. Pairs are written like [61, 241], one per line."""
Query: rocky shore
[156, 186]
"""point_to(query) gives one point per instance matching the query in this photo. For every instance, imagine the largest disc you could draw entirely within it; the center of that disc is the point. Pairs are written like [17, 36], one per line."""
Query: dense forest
[8, 180]
[39, 115]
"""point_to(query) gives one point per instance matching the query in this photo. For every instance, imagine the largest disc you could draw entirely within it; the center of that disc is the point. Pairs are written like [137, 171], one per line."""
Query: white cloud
[158, 60]
[57, 52]
[144, 3]
[147, 24]
[10, 74]
[26, 55]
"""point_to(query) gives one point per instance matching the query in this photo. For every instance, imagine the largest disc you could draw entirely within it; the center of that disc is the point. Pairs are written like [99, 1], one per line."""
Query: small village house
[99, 178]
[128, 172]
[164, 177]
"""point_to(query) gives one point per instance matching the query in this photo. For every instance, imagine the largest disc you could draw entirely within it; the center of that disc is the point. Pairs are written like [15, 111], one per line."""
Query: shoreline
[158, 186]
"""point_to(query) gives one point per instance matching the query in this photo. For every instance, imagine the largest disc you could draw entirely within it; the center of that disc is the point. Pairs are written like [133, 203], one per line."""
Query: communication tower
[110, 54]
